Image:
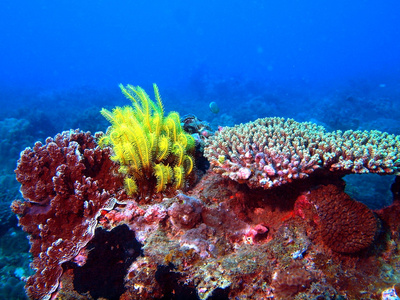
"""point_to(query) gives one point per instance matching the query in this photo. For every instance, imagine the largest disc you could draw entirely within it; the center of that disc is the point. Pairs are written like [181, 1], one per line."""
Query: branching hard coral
[153, 151]
[273, 151]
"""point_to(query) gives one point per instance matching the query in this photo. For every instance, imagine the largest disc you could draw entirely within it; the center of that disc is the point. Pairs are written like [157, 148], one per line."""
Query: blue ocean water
[336, 63]
[297, 56]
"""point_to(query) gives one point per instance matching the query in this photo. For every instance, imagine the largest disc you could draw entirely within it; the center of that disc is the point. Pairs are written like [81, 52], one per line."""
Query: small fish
[214, 107]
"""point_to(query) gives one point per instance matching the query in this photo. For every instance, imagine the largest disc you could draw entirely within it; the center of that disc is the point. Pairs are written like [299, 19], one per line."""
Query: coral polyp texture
[346, 226]
[66, 185]
[270, 152]
[152, 150]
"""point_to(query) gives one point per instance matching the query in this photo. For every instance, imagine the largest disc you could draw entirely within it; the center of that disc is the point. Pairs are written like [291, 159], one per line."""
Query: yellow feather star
[147, 144]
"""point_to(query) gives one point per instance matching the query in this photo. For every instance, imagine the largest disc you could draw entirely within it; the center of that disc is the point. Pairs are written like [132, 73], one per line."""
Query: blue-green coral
[153, 150]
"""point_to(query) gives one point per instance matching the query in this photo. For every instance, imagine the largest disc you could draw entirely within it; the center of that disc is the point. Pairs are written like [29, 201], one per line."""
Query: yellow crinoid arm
[179, 177]
[163, 176]
[138, 136]
[188, 164]
[103, 141]
[173, 125]
[145, 104]
[187, 141]
[131, 157]
[159, 105]
[179, 152]
[156, 124]
[130, 186]
[119, 154]
[108, 115]
[163, 148]
[158, 116]
[131, 95]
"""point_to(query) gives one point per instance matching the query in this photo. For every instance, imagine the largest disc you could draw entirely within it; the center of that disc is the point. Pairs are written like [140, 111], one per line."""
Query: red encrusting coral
[346, 226]
[66, 183]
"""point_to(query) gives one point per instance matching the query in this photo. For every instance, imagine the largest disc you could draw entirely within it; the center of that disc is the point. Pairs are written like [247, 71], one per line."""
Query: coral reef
[272, 151]
[226, 239]
[261, 235]
[66, 184]
[149, 147]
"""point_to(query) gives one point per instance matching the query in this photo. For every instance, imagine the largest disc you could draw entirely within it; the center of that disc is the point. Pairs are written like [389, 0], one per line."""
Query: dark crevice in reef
[172, 288]
[110, 255]
[219, 294]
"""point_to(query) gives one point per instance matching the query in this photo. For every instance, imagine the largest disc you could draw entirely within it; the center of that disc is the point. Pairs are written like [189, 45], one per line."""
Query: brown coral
[346, 226]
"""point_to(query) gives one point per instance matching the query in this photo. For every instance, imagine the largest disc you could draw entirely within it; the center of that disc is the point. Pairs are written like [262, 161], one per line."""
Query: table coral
[270, 152]
[66, 184]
